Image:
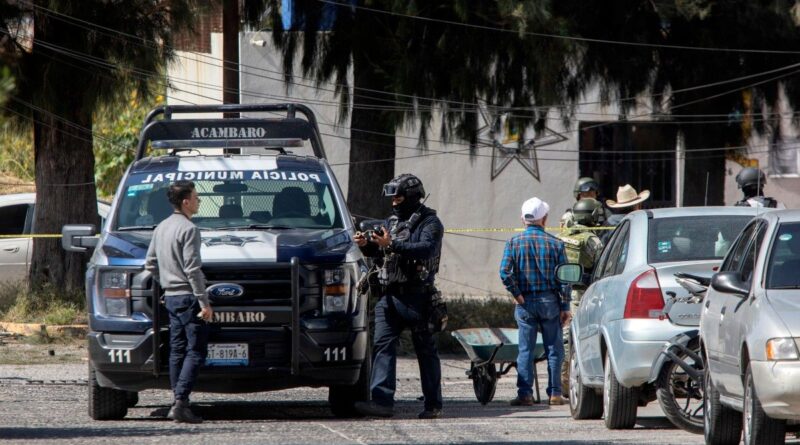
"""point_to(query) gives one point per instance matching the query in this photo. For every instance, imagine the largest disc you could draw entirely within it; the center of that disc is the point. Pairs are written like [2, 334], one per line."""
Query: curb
[67, 330]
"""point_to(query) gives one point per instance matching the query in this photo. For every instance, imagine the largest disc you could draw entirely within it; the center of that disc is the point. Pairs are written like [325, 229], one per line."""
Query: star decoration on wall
[509, 144]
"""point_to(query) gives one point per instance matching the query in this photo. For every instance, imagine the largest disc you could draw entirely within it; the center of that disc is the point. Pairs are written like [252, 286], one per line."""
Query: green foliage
[116, 133]
[117, 129]
[48, 304]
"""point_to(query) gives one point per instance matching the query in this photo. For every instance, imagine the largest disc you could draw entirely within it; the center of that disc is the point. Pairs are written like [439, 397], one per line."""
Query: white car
[16, 218]
[750, 330]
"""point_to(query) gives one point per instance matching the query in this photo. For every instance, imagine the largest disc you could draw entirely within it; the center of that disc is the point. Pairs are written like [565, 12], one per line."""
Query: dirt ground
[35, 350]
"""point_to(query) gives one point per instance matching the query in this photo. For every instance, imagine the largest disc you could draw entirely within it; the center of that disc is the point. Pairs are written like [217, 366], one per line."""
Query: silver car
[749, 331]
[16, 218]
[620, 326]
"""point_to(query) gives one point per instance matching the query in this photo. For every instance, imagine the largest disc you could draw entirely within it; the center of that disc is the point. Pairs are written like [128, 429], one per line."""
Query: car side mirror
[78, 237]
[570, 273]
[730, 283]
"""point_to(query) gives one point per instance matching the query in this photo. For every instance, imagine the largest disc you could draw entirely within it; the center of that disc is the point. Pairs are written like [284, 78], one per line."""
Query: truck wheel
[619, 403]
[758, 427]
[105, 403]
[342, 398]
[723, 425]
[584, 402]
[132, 397]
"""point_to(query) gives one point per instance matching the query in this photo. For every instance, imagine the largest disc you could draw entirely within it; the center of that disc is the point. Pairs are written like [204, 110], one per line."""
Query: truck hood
[240, 246]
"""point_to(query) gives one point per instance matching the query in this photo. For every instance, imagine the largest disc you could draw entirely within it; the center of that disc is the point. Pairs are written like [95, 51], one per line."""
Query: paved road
[31, 412]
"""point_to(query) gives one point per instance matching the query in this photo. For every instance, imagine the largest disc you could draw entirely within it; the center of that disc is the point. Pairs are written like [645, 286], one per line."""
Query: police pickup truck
[277, 251]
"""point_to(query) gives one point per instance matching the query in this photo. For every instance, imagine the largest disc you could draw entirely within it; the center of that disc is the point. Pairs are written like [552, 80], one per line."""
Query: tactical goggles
[391, 189]
[588, 187]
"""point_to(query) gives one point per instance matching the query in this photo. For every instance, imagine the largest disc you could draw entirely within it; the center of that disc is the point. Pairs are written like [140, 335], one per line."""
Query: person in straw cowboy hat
[627, 201]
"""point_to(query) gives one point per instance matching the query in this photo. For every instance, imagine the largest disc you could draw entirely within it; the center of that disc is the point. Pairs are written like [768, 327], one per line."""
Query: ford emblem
[225, 290]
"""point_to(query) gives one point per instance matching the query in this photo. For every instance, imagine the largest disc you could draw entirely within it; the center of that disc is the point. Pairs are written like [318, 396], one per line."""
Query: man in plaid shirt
[528, 272]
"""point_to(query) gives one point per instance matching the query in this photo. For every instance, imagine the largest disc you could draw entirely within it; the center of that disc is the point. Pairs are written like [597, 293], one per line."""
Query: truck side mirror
[79, 237]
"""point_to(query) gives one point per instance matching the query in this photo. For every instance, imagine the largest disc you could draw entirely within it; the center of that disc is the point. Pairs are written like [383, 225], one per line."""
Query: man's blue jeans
[188, 343]
[541, 312]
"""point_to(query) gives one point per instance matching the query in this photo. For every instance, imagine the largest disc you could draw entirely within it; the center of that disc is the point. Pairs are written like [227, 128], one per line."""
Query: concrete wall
[196, 78]
[460, 185]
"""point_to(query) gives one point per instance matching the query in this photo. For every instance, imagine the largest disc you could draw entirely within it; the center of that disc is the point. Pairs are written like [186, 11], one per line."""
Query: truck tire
[342, 398]
[758, 427]
[105, 403]
[722, 425]
[619, 403]
[584, 402]
[132, 398]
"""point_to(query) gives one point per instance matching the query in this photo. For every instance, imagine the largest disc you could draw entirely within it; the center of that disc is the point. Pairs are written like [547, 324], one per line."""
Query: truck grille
[261, 286]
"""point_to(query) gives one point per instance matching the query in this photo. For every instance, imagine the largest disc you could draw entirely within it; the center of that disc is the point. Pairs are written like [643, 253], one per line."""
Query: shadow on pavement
[316, 410]
[101, 430]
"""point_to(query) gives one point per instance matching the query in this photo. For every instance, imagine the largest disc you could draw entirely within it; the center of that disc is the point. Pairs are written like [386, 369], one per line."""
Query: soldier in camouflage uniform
[585, 187]
[583, 247]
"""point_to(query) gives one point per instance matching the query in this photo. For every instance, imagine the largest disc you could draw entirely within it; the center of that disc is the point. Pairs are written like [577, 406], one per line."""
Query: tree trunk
[372, 154]
[65, 194]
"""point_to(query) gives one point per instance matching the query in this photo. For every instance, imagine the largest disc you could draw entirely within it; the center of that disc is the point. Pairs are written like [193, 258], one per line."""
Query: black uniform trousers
[393, 314]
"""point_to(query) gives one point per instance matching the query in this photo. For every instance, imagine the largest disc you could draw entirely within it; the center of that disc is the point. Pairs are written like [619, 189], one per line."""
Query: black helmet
[406, 185]
[586, 184]
[751, 177]
[587, 212]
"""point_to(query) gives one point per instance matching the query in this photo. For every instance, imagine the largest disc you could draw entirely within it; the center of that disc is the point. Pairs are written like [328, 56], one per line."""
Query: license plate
[227, 354]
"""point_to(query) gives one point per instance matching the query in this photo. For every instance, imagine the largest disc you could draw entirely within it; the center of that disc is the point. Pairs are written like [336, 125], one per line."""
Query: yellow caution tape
[517, 229]
[460, 230]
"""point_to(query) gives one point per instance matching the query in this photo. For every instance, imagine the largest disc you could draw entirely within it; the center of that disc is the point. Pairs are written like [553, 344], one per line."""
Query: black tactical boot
[183, 414]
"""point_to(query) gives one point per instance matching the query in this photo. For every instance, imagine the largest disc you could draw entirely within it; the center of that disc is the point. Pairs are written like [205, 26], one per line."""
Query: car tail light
[644, 297]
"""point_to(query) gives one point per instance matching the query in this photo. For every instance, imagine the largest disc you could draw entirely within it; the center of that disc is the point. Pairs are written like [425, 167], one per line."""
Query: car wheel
[105, 403]
[619, 403]
[722, 425]
[758, 427]
[584, 402]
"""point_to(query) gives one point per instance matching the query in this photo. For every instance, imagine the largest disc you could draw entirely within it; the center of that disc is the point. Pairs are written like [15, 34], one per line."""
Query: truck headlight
[116, 292]
[782, 349]
[336, 292]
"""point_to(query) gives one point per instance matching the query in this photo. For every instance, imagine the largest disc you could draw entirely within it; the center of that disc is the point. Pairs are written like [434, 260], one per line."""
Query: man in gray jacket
[174, 259]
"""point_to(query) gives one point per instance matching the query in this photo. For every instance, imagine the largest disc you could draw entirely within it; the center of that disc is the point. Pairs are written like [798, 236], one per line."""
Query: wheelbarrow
[493, 352]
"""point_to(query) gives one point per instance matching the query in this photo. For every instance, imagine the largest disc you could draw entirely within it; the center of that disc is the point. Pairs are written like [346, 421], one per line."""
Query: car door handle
[722, 311]
[708, 303]
[11, 249]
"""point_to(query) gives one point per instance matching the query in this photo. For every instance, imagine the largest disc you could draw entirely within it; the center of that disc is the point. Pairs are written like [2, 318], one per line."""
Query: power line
[562, 37]
[224, 66]
[102, 63]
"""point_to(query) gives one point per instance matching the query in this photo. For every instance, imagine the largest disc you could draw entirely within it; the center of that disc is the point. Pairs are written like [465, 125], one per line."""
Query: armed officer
[583, 247]
[407, 247]
[585, 187]
[751, 181]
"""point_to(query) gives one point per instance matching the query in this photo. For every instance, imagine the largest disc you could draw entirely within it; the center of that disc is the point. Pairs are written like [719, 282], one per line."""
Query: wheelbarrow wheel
[484, 381]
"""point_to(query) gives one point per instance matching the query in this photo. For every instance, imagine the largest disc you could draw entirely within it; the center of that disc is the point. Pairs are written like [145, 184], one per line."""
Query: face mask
[405, 209]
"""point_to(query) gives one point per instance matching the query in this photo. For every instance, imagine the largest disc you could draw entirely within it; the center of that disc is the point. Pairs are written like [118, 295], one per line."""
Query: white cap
[534, 209]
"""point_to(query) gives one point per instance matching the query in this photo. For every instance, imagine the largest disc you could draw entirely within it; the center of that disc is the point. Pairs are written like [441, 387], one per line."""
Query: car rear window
[784, 261]
[688, 238]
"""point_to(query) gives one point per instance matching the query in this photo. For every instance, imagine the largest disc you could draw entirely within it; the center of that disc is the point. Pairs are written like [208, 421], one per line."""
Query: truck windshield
[243, 199]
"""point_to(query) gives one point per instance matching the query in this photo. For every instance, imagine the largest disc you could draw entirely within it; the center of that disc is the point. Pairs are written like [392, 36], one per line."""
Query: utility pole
[230, 53]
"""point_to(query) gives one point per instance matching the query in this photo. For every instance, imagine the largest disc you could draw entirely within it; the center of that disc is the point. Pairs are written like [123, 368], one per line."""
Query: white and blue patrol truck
[277, 250]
